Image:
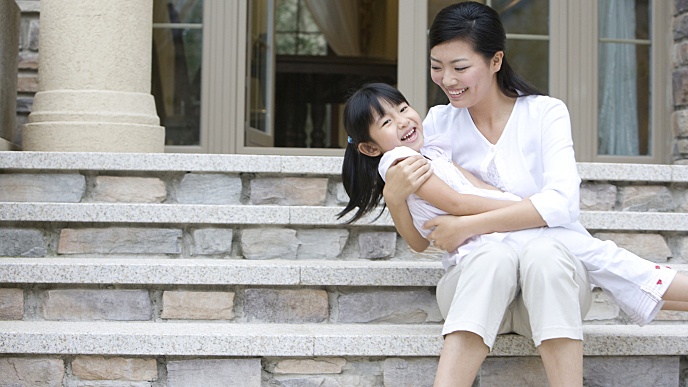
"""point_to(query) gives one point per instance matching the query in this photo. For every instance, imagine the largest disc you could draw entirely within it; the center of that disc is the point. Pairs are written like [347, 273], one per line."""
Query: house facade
[170, 180]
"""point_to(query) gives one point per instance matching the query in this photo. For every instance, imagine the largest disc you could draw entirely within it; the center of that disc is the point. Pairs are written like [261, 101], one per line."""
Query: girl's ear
[369, 149]
[496, 61]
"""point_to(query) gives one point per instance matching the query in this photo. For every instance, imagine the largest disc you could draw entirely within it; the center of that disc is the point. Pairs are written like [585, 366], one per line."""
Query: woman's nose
[448, 79]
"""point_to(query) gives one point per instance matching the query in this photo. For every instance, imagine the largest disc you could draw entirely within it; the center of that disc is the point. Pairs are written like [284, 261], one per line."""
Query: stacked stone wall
[27, 81]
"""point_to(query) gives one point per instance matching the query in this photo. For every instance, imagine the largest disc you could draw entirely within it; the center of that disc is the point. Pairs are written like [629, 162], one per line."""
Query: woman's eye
[460, 68]
[434, 67]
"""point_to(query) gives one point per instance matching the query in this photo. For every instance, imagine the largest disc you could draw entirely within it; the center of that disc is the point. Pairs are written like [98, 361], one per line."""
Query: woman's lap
[489, 299]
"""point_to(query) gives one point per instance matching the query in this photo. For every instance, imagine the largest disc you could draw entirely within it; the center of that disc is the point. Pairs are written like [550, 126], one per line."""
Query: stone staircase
[232, 270]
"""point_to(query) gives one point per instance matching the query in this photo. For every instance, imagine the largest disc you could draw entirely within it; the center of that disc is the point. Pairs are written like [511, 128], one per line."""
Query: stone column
[94, 79]
[9, 47]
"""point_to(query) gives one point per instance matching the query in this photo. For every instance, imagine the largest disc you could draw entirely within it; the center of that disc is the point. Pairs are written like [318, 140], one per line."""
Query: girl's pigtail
[361, 182]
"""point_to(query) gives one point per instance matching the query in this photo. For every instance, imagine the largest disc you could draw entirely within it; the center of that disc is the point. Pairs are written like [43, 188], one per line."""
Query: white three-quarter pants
[540, 292]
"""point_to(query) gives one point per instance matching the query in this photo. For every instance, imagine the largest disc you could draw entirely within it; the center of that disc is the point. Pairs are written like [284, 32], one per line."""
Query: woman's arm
[451, 231]
[402, 180]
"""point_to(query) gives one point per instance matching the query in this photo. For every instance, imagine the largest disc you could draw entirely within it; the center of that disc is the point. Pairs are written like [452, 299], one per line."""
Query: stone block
[24, 105]
[114, 368]
[11, 304]
[324, 365]
[680, 6]
[34, 28]
[682, 146]
[22, 243]
[209, 188]
[652, 247]
[309, 382]
[289, 191]
[214, 373]
[377, 244]
[28, 61]
[59, 188]
[197, 305]
[679, 118]
[321, 244]
[653, 198]
[269, 243]
[211, 241]
[631, 371]
[27, 83]
[597, 197]
[680, 54]
[409, 372]
[342, 196]
[602, 307]
[680, 248]
[671, 315]
[96, 304]
[418, 306]
[116, 189]
[680, 27]
[31, 372]
[513, 372]
[120, 241]
[286, 306]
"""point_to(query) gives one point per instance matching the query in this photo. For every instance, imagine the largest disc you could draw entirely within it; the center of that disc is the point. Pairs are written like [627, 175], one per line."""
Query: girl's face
[463, 74]
[400, 125]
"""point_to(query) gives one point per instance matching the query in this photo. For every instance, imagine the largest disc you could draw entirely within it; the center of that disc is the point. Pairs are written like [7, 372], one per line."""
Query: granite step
[278, 272]
[208, 339]
[270, 215]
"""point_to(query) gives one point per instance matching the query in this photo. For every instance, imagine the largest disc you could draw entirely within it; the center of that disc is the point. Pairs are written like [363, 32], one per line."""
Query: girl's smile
[399, 126]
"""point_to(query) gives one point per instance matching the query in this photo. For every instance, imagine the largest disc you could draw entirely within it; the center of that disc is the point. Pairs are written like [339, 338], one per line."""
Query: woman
[505, 132]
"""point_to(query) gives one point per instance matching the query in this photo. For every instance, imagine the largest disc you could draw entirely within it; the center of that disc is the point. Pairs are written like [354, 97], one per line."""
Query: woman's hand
[404, 178]
[450, 231]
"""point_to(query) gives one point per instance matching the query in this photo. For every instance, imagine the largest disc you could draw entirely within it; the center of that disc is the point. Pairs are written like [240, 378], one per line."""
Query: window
[176, 69]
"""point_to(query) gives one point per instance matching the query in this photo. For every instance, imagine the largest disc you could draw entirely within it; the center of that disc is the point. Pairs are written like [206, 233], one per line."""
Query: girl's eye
[386, 122]
[403, 109]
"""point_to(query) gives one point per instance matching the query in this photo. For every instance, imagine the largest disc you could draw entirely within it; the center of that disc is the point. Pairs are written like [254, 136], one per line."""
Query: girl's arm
[402, 180]
[451, 231]
[441, 195]
[474, 180]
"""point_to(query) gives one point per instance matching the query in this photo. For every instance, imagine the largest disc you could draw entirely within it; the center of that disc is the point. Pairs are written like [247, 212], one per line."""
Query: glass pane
[524, 16]
[312, 44]
[529, 58]
[259, 70]
[285, 15]
[176, 70]
[306, 22]
[623, 123]
[285, 43]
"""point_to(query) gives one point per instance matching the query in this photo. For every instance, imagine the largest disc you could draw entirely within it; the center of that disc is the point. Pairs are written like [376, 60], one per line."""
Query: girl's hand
[404, 178]
[450, 231]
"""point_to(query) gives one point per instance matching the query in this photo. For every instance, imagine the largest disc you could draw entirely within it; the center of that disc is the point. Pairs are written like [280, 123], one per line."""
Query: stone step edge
[153, 271]
[282, 215]
[208, 339]
[314, 165]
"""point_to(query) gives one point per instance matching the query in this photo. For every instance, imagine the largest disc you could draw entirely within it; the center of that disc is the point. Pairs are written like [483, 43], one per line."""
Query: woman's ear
[369, 149]
[496, 62]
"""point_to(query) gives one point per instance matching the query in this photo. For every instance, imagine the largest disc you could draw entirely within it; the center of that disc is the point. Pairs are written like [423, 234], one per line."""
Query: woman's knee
[545, 254]
[493, 257]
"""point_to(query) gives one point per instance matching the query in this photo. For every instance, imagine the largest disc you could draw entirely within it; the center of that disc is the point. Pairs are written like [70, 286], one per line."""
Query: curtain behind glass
[338, 21]
[617, 124]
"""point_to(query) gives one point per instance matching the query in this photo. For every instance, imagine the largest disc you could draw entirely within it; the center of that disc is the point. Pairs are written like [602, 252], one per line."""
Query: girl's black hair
[361, 180]
[481, 27]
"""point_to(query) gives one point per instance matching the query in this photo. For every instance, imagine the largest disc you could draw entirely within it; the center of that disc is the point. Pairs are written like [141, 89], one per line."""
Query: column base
[93, 137]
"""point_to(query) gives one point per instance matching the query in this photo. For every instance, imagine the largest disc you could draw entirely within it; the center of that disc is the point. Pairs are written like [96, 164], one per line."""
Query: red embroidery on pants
[657, 267]
[659, 282]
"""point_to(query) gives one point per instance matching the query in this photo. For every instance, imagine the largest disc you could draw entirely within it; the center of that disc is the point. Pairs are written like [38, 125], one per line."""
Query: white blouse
[534, 155]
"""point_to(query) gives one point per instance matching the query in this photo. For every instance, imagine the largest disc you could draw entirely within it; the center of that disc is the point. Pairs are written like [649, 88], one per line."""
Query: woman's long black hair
[361, 180]
[481, 27]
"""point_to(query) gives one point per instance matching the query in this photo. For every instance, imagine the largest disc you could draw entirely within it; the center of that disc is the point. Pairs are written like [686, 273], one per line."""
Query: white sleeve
[429, 123]
[558, 202]
[400, 152]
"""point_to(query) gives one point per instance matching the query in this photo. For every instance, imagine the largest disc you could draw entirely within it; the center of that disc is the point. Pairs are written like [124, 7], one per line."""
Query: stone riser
[308, 355]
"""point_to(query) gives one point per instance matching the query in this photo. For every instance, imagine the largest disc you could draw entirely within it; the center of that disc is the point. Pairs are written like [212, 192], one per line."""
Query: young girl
[384, 129]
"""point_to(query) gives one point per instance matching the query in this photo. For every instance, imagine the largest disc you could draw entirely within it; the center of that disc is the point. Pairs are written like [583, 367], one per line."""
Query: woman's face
[464, 75]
